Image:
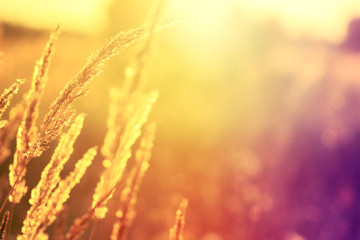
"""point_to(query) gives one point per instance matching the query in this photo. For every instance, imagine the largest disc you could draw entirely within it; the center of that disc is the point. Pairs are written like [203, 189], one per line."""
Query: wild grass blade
[126, 212]
[176, 232]
[8, 94]
[8, 132]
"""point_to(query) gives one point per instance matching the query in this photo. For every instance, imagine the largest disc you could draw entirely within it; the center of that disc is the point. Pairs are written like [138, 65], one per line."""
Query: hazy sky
[76, 15]
[320, 18]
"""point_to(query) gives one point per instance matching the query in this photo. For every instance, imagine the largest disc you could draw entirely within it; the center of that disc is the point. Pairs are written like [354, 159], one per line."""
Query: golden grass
[4, 223]
[176, 232]
[135, 113]
[44, 194]
[28, 130]
[126, 213]
[129, 110]
[6, 97]
[9, 130]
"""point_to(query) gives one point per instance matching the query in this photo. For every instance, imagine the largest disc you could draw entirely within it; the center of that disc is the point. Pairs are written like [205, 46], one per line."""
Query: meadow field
[180, 120]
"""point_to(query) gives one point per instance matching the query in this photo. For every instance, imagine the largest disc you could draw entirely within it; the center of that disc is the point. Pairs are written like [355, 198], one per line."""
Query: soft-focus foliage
[49, 195]
[257, 119]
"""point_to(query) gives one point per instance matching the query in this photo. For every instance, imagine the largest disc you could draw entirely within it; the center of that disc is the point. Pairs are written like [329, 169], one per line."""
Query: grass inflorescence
[127, 124]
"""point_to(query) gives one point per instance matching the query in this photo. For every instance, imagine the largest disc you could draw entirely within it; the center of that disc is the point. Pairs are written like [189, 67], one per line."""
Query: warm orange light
[323, 18]
[80, 16]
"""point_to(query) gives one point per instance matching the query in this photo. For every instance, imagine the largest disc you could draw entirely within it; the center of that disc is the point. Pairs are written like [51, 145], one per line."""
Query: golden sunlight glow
[323, 18]
[83, 16]
[256, 105]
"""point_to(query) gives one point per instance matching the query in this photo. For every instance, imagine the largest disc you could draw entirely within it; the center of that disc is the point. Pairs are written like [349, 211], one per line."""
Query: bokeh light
[258, 116]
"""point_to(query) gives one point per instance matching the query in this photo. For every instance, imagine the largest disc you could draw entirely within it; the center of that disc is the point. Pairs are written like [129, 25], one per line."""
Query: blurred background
[258, 116]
